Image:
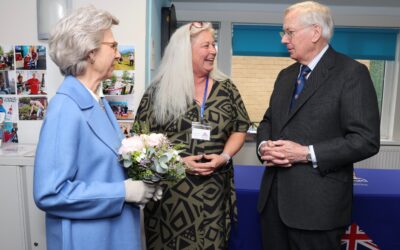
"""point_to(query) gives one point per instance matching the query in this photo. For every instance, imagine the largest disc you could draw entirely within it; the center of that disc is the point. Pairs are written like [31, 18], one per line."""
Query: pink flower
[154, 140]
[131, 144]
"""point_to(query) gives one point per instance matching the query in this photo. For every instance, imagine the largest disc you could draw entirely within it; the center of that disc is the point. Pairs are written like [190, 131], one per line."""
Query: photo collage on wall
[119, 89]
[23, 87]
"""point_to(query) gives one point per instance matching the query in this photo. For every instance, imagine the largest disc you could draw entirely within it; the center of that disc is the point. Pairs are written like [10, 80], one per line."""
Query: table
[376, 207]
[247, 234]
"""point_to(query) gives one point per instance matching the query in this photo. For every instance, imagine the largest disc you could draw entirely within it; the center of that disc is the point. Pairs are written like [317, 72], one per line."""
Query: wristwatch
[308, 157]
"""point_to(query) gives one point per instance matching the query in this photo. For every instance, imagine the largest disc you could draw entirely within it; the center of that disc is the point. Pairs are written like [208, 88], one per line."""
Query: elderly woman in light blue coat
[78, 181]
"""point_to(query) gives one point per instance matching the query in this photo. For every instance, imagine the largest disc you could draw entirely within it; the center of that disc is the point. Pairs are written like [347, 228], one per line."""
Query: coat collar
[103, 124]
[73, 88]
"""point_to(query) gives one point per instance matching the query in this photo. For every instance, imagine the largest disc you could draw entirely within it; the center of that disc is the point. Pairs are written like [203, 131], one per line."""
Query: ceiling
[371, 3]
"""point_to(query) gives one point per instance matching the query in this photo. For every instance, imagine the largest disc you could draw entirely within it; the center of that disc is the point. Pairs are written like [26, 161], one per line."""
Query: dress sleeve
[241, 118]
[144, 111]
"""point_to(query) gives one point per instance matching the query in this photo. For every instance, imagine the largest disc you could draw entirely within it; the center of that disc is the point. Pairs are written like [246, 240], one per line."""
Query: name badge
[201, 131]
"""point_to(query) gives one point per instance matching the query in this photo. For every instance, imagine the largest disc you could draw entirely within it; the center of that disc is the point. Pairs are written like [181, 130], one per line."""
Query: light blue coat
[78, 180]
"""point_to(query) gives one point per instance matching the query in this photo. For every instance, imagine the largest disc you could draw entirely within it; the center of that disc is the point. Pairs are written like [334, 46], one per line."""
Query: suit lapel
[317, 78]
[102, 123]
[286, 93]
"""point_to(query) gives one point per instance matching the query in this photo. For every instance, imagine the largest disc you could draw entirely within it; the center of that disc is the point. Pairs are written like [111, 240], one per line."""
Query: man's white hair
[314, 13]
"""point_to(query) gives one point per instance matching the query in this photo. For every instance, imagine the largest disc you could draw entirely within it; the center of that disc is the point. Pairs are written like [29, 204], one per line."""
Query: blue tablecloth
[376, 207]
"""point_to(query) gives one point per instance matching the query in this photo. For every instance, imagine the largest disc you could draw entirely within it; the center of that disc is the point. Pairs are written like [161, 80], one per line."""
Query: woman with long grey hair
[196, 105]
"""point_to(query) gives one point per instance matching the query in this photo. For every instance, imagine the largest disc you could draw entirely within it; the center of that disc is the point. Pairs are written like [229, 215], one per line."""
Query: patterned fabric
[196, 212]
[301, 79]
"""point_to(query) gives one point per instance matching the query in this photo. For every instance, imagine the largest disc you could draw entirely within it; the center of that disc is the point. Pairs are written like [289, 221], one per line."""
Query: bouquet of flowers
[151, 158]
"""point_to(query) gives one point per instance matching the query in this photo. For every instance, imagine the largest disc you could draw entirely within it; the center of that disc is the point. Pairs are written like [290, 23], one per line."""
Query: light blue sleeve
[64, 184]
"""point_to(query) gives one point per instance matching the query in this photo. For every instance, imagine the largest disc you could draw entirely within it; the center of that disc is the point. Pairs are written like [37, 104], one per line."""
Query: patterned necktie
[304, 70]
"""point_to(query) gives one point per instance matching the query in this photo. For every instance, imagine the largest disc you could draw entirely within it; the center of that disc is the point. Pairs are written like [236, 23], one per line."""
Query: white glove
[138, 191]
[158, 193]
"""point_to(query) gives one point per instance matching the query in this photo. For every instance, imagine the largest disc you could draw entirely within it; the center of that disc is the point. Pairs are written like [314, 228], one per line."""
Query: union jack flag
[356, 239]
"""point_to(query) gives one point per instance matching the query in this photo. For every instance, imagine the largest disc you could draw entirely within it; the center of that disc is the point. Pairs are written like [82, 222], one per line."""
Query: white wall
[18, 27]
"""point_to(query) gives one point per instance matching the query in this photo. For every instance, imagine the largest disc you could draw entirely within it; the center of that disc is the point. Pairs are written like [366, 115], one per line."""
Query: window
[258, 56]
[255, 77]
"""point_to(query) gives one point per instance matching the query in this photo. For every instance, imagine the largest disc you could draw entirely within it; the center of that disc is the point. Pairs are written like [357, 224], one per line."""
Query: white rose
[155, 140]
[131, 144]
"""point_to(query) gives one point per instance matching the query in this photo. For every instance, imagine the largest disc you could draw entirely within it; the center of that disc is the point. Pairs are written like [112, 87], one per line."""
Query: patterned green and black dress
[196, 213]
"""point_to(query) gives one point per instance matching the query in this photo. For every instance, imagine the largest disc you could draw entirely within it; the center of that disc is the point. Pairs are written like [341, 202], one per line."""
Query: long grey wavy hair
[174, 81]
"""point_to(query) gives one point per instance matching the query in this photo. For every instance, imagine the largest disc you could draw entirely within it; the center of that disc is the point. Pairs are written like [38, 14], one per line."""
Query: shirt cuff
[258, 149]
[313, 157]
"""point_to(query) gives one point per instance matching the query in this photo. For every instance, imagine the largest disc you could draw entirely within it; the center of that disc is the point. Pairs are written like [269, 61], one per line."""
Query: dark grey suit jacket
[337, 112]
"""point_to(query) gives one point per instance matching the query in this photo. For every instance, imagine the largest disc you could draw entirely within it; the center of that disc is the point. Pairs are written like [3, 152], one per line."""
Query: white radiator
[387, 158]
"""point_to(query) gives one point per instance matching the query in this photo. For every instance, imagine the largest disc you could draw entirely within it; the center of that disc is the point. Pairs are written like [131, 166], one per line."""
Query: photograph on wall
[126, 128]
[122, 106]
[9, 132]
[127, 60]
[6, 57]
[9, 118]
[31, 82]
[121, 83]
[8, 108]
[30, 57]
[32, 108]
[7, 82]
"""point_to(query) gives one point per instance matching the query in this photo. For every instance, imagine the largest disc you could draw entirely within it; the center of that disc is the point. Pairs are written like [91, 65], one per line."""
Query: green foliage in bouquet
[151, 157]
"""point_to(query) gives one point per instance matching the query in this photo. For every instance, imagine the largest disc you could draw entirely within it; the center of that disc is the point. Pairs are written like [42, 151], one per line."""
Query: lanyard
[203, 105]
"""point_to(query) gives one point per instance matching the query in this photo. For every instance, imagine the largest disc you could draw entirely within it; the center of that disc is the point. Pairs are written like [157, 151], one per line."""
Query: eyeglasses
[198, 25]
[113, 45]
[290, 33]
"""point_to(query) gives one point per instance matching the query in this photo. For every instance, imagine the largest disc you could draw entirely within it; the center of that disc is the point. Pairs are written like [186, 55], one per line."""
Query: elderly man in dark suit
[323, 116]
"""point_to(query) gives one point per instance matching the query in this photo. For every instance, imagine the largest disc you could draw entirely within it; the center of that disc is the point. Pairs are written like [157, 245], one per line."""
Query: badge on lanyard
[202, 130]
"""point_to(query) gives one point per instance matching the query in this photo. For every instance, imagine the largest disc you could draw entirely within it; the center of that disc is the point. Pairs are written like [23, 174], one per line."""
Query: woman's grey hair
[76, 35]
[174, 80]
[314, 13]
